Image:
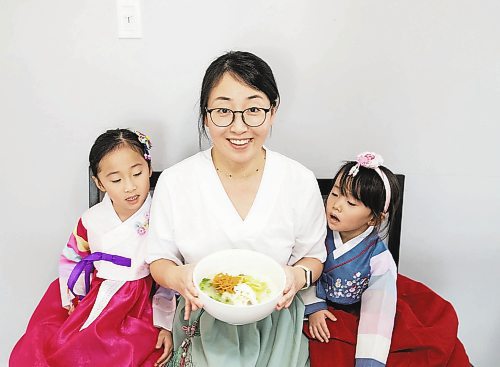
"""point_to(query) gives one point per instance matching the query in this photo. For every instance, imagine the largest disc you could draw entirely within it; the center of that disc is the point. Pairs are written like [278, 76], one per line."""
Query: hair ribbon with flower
[373, 161]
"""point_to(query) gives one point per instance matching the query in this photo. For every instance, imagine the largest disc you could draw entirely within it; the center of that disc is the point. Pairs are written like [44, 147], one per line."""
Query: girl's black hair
[244, 66]
[111, 140]
[367, 186]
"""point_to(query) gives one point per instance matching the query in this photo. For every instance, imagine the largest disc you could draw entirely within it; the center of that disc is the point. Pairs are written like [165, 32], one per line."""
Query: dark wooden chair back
[325, 185]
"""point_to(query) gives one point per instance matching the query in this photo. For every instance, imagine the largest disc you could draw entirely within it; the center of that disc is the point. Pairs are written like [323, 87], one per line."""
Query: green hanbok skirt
[275, 341]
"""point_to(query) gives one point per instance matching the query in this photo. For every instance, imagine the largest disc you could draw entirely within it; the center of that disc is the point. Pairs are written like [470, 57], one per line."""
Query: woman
[237, 194]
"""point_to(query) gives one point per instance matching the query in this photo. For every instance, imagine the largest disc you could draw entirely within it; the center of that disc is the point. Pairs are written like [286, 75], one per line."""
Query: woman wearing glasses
[237, 194]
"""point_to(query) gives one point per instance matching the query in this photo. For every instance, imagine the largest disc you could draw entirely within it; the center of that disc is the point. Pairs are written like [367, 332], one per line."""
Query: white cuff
[66, 295]
[164, 304]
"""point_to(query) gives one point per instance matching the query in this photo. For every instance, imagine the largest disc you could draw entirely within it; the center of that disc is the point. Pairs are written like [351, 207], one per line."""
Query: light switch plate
[129, 18]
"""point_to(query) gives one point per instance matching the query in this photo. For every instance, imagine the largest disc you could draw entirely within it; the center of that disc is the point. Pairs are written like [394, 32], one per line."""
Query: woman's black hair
[367, 186]
[112, 140]
[244, 66]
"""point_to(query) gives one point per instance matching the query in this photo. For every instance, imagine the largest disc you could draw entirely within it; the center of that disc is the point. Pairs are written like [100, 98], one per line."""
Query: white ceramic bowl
[234, 262]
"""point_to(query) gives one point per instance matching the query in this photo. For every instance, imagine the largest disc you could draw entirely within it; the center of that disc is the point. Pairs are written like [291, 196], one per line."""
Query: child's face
[124, 175]
[346, 215]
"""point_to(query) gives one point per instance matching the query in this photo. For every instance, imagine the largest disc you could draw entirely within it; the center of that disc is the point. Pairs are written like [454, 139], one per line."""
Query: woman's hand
[318, 327]
[183, 281]
[165, 339]
[179, 278]
[295, 280]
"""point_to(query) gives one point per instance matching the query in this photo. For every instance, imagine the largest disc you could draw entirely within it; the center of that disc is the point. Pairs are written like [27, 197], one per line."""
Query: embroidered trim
[142, 227]
[348, 288]
[182, 356]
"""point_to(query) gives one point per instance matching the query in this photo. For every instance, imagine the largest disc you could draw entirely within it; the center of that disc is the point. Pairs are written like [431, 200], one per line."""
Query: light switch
[129, 19]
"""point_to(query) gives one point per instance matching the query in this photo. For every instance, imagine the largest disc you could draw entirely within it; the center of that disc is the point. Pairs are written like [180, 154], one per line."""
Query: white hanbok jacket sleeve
[160, 241]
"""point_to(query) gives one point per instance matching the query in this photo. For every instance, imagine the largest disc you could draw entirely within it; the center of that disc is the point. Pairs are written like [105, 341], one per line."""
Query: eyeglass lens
[251, 116]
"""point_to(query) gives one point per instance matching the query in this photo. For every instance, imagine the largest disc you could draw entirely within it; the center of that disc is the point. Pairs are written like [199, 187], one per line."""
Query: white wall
[418, 81]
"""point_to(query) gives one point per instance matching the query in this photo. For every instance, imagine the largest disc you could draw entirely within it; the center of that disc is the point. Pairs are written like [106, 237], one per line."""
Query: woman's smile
[239, 142]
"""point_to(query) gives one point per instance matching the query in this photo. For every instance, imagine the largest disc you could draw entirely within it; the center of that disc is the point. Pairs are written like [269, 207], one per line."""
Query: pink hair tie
[373, 161]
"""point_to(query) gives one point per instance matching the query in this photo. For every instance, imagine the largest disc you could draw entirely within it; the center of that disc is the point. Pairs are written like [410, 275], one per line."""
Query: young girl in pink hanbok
[104, 310]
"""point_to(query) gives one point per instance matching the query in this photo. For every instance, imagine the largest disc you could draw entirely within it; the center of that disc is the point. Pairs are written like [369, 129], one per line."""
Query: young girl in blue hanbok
[362, 312]
[100, 311]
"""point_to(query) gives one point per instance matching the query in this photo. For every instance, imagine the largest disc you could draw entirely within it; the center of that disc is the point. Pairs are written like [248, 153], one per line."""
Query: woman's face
[238, 143]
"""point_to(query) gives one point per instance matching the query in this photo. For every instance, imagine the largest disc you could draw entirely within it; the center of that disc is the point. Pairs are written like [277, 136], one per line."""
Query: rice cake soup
[238, 290]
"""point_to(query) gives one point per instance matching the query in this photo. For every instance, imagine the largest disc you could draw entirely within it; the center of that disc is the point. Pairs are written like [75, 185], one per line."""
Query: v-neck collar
[106, 200]
[342, 248]
[223, 208]
[224, 198]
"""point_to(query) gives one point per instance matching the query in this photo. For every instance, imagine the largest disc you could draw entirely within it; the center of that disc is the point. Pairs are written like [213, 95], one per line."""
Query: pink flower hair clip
[146, 141]
[367, 160]
[373, 161]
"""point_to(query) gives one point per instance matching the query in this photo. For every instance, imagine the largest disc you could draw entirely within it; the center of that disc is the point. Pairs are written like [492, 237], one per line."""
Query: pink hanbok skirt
[122, 335]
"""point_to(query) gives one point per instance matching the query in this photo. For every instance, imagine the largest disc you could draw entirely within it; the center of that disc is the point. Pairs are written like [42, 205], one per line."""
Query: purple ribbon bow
[87, 264]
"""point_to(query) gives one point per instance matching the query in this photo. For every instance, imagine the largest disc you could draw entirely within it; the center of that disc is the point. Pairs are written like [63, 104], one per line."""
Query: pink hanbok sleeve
[164, 304]
[76, 249]
[378, 310]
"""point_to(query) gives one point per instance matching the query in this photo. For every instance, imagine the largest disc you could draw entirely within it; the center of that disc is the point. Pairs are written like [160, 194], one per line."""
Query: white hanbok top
[192, 216]
[102, 231]
[107, 233]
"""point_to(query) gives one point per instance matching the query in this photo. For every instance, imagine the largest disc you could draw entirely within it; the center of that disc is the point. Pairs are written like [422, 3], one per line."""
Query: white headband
[373, 161]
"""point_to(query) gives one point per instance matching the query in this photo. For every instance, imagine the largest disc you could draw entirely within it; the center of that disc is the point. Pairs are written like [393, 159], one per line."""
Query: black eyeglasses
[252, 116]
